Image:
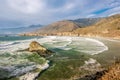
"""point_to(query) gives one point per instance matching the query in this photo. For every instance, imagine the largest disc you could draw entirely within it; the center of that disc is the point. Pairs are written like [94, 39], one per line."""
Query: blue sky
[15, 13]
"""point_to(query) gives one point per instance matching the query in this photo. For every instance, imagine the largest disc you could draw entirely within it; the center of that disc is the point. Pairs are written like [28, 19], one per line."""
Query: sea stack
[38, 48]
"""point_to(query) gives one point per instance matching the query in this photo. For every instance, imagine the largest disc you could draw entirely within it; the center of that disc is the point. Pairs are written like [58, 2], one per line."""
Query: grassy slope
[108, 27]
[59, 26]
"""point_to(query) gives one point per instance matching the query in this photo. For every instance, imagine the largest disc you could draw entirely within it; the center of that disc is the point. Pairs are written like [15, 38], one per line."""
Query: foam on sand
[99, 44]
[81, 44]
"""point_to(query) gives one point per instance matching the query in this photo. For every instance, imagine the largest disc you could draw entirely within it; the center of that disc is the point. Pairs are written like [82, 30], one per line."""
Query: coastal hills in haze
[20, 29]
[103, 27]
[67, 25]
[57, 27]
[64, 26]
[84, 22]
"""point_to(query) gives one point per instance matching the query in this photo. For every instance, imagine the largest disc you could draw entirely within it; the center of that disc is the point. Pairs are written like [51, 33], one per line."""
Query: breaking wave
[8, 48]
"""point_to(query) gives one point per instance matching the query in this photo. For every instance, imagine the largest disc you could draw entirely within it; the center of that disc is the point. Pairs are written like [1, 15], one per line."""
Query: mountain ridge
[84, 22]
[63, 26]
[107, 27]
[100, 27]
[59, 26]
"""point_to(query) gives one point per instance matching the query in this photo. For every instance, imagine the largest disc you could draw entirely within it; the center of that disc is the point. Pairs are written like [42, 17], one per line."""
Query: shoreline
[93, 38]
[115, 39]
[70, 40]
[71, 34]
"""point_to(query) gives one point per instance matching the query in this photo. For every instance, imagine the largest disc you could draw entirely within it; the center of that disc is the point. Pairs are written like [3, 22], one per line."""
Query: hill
[85, 22]
[102, 27]
[106, 27]
[64, 27]
[58, 27]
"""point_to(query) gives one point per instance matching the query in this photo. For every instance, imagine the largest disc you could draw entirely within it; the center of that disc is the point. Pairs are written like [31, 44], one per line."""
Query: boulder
[37, 47]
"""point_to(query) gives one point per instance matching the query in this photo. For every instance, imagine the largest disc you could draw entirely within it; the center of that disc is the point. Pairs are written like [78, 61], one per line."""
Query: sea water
[14, 63]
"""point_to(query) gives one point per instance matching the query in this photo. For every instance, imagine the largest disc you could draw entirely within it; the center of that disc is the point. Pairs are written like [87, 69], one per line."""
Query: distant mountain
[57, 27]
[85, 22]
[105, 27]
[65, 26]
[19, 29]
[108, 27]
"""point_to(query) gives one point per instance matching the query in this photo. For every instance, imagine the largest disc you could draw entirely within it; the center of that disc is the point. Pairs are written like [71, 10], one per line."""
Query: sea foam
[86, 45]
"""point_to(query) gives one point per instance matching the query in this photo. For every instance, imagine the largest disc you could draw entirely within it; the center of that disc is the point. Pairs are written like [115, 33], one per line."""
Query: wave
[16, 70]
[86, 45]
[8, 44]
[100, 44]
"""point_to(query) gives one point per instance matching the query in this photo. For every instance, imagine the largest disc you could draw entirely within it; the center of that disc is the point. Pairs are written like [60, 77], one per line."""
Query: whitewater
[17, 64]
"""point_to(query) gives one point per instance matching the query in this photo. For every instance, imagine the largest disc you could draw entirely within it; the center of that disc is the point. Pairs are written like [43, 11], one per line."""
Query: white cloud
[69, 6]
[114, 3]
[112, 11]
[41, 11]
[26, 6]
[91, 15]
[118, 12]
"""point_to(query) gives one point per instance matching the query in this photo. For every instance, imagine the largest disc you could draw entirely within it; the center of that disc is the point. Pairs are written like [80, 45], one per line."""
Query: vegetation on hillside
[107, 27]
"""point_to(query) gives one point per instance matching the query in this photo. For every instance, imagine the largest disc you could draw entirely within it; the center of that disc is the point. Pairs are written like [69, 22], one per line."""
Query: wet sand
[108, 57]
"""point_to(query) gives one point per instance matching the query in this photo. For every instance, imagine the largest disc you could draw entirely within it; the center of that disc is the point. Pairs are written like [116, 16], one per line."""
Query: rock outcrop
[41, 50]
[112, 73]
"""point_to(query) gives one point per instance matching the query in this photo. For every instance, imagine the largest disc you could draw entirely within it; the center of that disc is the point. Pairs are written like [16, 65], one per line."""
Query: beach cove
[71, 54]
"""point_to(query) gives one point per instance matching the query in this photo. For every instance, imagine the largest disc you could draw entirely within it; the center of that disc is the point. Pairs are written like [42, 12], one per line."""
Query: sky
[16, 13]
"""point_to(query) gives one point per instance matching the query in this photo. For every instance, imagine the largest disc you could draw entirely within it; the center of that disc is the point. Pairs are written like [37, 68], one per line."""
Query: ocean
[67, 50]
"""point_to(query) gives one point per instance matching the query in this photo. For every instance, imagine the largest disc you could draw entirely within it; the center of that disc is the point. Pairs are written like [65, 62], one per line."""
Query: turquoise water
[13, 38]
[13, 62]
[70, 53]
